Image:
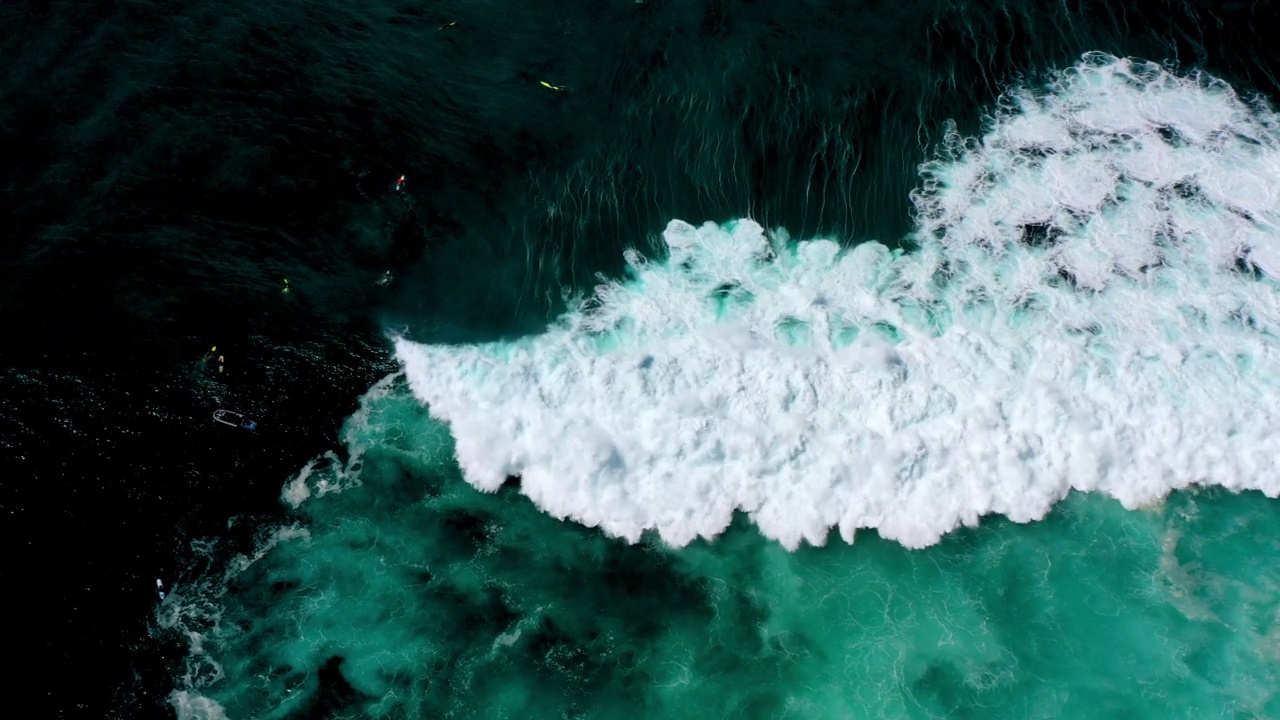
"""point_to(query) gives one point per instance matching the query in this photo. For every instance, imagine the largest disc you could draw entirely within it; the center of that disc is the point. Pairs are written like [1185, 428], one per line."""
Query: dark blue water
[165, 170]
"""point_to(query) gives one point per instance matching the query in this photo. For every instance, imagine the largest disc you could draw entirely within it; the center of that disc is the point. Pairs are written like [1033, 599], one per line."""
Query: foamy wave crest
[1092, 305]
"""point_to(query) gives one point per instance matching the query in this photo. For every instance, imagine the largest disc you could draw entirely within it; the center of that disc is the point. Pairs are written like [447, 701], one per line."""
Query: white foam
[196, 613]
[193, 706]
[327, 473]
[1125, 354]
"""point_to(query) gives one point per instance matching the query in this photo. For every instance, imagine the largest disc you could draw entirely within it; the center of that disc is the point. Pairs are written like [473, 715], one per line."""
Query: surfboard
[234, 419]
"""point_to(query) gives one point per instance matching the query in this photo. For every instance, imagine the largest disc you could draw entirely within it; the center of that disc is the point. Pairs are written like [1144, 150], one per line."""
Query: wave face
[1091, 304]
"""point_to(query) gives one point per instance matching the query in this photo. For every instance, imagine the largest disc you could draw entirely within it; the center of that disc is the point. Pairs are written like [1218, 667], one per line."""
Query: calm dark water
[167, 169]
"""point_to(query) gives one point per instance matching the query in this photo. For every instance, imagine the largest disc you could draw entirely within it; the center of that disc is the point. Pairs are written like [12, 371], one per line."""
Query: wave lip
[1092, 305]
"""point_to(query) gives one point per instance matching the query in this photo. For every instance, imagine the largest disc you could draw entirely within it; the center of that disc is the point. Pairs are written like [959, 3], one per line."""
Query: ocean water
[715, 359]
[1088, 306]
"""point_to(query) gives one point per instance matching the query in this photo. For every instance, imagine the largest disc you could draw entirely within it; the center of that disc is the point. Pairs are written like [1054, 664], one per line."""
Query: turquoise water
[432, 599]
[1011, 471]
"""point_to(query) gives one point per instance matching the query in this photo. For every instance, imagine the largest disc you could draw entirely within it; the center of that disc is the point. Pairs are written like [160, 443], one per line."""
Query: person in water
[222, 359]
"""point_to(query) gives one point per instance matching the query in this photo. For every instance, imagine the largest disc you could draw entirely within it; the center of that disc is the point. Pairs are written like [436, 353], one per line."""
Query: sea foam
[1090, 303]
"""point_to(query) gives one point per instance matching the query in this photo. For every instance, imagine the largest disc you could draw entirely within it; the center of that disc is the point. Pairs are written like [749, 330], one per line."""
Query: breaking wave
[1089, 301]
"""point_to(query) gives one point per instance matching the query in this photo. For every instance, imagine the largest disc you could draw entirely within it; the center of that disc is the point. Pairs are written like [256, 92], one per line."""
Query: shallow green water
[415, 595]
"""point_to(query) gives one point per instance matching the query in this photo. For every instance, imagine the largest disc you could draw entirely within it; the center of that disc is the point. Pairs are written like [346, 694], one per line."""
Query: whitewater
[1088, 302]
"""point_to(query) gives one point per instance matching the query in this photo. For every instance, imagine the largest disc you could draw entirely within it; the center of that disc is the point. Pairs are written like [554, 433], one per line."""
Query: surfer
[549, 86]
[208, 358]
[160, 589]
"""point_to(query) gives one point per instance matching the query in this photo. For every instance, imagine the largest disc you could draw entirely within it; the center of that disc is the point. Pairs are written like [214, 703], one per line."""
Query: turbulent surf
[1089, 303]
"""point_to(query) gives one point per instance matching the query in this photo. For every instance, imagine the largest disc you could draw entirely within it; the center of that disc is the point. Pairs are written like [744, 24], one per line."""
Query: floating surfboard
[234, 419]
